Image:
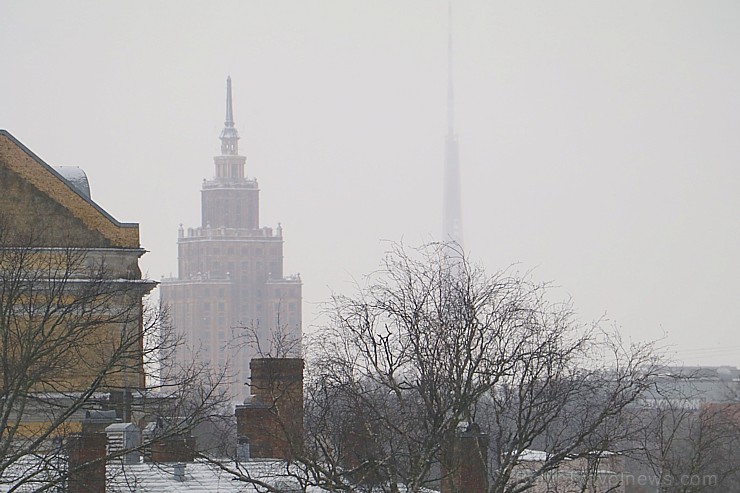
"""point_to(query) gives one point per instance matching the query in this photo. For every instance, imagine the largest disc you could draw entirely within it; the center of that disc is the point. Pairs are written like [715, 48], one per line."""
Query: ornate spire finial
[229, 110]
[229, 135]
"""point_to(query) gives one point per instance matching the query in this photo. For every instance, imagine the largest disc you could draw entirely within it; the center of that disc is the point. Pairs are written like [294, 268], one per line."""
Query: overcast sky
[599, 140]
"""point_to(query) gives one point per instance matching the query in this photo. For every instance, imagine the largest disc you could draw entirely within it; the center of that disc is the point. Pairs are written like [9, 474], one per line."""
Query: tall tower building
[230, 300]
[452, 229]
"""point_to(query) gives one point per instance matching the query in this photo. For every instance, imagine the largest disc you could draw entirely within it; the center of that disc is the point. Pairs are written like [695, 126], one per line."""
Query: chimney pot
[242, 449]
[179, 471]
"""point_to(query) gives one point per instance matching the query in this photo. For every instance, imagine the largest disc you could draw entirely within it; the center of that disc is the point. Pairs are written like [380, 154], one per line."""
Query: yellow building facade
[72, 329]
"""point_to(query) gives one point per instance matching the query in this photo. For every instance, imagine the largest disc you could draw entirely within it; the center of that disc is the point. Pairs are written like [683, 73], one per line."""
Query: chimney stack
[466, 467]
[86, 463]
[271, 422]
[173, 449]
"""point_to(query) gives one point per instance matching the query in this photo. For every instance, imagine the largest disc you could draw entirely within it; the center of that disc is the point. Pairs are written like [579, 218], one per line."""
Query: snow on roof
[530, 455]
[202, 477]
[120, 427]
[199, 477]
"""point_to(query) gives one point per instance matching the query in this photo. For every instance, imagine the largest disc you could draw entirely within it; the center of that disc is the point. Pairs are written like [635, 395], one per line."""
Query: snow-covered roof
[144, 477]
[197, 477]
[203, 477]
[529, 455]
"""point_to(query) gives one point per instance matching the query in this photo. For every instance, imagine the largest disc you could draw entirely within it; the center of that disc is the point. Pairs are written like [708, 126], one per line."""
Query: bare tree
[279, 342]
[432, 345]
[686, 446]
[434, 342]
[76, 336]
[570, 396]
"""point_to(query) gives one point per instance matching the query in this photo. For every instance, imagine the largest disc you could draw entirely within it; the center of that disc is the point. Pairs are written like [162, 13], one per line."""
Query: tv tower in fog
[452, 229]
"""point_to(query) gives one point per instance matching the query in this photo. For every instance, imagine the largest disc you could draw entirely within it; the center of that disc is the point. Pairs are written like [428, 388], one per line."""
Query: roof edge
[54, 172]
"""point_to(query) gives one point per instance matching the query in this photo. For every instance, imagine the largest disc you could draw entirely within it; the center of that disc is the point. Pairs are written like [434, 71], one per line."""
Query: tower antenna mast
[452, 229]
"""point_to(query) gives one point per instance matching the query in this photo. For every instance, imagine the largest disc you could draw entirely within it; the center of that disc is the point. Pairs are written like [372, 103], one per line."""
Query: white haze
[598, 140]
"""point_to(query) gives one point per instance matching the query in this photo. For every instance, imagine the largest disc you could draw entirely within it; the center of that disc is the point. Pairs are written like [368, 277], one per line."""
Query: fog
[599, 141]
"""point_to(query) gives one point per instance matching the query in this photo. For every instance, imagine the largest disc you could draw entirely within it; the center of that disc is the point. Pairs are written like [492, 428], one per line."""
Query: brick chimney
[86, 463]
[270, 423]
[173, 449]
[466, 468]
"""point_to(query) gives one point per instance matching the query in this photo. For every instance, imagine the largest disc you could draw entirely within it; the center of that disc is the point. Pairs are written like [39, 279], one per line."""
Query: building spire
[229, 109]
[229, 135]
[452, 209]
[450, 89]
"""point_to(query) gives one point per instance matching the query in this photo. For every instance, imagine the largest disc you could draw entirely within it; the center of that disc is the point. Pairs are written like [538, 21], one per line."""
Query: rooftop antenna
[452, 230]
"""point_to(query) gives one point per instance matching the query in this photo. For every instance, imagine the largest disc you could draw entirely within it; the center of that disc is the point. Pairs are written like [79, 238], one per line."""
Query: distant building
[231, 299]
[691, 387]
